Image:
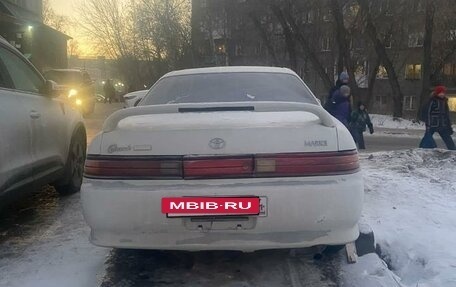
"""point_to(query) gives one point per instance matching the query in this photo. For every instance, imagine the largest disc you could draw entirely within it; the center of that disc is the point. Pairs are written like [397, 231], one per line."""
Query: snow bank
[387, 122]
[411, 206]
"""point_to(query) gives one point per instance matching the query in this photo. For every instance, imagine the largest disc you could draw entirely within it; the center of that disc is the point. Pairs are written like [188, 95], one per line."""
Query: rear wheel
[74, 169]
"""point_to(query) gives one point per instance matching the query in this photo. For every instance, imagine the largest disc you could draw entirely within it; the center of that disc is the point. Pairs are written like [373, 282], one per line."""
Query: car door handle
[35, 115]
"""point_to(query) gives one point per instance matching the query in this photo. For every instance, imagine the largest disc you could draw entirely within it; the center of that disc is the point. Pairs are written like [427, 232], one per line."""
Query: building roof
[18, 12]
[231, 69]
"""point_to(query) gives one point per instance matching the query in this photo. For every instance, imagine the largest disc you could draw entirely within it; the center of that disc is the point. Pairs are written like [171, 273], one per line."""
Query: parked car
[42, 140]
[232, 158]
[76, 86]
[132, 99]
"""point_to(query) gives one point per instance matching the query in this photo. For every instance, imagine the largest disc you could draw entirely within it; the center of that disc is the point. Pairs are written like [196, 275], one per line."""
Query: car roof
[232, 69]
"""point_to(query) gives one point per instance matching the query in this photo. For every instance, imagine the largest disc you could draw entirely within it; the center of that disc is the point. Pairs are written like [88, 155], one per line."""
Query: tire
[74, 169]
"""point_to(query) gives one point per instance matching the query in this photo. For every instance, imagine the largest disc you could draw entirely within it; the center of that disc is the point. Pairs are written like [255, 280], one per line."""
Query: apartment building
[249, 32]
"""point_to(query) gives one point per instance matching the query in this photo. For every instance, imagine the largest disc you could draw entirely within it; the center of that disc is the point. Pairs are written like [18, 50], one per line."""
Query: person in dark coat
[358, 122]
[340, 105]
[109, 91]
[437, 118]
[343, 80]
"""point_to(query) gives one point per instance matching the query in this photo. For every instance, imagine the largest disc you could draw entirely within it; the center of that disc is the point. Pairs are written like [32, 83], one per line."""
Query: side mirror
[51, 89]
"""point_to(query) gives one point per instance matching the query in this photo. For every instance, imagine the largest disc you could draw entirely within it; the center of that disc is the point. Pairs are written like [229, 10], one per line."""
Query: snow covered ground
[57, 254]
[388, 122]
[411, 206]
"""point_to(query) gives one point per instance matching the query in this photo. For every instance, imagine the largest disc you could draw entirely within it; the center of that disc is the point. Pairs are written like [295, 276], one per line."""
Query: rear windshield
[229, 87]
[65, 77]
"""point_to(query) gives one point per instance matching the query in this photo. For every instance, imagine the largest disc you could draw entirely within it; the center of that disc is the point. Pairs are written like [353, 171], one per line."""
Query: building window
[385, 7]
[258, 49]
[388, 40]
[382, 74]
[452, 104]
[238, 50]
[327, 15]
[203, 3]
[279, 29]
[449, 69]
[326, 44]
[309, 17]
[413, 72]
[220, 49]
[361, 74]
[419, 6]
[354, 10]
[452, 35]
[410, 103]
[381, 100]
[416, 40]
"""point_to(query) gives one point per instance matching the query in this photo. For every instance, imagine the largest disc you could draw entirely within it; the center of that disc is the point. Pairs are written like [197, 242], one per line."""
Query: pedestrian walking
[109, 91]
[437, 119]
[342, 80]
[340, 105]
[359, 120]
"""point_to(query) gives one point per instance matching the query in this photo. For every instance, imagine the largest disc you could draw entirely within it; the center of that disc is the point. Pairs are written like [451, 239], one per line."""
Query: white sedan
[133, 98]
[233, 158]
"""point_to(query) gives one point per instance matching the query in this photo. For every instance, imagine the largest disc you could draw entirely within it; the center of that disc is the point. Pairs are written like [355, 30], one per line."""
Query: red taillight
[133, 168]
[273, 165]
[306, 164]
[218, 167]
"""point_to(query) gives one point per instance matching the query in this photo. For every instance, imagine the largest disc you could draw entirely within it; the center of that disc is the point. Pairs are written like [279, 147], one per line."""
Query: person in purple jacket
[340, 105]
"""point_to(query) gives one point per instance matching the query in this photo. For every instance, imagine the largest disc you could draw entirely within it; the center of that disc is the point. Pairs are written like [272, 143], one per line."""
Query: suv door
[15, 135]
[46, 115]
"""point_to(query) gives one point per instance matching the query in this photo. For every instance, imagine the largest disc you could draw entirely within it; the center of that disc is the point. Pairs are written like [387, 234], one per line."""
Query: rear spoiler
[113, 120]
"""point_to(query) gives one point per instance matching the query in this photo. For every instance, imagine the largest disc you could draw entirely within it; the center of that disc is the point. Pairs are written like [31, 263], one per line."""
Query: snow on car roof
[232, 69]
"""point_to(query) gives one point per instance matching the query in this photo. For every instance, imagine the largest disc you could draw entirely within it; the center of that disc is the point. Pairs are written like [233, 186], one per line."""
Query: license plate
[214, 206]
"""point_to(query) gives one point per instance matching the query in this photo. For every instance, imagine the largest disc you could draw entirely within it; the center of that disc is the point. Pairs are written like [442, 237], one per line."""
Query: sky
[64, 7]
[67, 8]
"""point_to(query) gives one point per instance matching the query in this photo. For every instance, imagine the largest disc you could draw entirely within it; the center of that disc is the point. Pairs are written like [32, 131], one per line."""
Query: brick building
[248, 32]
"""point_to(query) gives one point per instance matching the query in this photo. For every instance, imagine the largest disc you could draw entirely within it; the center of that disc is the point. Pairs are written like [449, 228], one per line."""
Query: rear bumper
[302, 212]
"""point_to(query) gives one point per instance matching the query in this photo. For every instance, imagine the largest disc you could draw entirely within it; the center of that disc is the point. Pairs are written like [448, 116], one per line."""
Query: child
[358, 122]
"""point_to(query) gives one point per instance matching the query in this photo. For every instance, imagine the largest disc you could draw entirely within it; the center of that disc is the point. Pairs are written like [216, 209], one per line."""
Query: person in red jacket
[437, 118]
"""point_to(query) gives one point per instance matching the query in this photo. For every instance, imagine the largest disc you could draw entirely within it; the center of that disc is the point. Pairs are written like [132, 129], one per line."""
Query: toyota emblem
[217, 143]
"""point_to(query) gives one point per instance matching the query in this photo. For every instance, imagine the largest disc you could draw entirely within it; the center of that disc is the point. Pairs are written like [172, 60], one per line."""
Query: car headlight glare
[72, 93]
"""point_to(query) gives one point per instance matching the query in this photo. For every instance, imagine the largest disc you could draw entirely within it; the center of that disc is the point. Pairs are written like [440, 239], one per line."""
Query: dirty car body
[224, 132]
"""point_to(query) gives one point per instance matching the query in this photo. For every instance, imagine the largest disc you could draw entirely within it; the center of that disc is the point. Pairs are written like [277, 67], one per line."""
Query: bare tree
[383, 55]
[146, 38]
[58, 22]
[427, 54]
[73, 48]
[166, 25]
[264, 35]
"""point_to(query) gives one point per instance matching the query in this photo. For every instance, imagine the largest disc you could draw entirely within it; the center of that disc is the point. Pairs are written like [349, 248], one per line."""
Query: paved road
[43, 242]
[389, 140]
